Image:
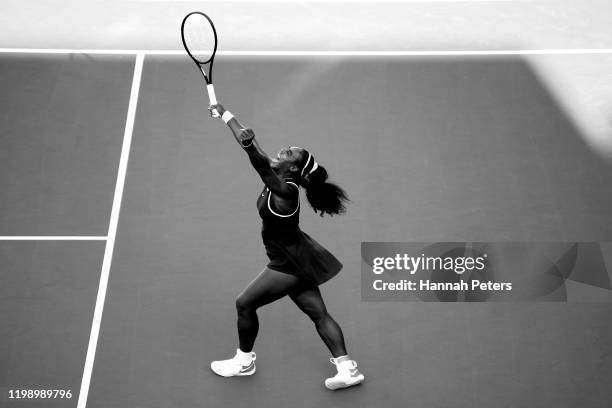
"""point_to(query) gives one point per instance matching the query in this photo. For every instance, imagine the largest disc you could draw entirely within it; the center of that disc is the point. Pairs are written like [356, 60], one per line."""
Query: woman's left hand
[246, 136]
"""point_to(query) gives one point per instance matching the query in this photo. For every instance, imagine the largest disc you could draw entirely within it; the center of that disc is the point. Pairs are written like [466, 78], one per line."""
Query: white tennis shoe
[348, 375]
[239, 365]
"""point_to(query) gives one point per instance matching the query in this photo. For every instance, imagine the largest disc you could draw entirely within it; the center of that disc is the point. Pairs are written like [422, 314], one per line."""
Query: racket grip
[211, 94]
[213, 98]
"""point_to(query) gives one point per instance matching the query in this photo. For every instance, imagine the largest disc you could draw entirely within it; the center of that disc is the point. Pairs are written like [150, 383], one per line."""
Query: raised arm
[258, 158]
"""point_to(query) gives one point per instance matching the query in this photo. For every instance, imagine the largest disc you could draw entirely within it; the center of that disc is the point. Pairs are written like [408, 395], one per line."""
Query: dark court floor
[429, 149]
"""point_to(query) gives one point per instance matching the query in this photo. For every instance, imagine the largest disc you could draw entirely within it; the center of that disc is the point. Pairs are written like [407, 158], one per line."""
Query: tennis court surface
[429, 149]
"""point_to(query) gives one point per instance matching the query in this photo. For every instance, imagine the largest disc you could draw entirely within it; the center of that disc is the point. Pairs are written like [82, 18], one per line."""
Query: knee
[243, 305]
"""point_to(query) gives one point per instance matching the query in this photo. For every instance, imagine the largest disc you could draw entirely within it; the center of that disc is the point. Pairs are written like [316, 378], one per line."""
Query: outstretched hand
[246, 136]
[218, 108]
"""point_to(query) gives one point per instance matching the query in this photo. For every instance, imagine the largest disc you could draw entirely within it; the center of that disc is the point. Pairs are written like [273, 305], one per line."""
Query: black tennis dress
[289, 249]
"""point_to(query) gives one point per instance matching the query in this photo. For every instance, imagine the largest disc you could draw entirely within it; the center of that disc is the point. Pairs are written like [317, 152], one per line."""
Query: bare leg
[308, 299]
[267, 287]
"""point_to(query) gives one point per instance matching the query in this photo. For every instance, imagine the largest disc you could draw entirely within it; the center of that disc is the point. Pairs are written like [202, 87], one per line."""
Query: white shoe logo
[247, 368]
[354, 372]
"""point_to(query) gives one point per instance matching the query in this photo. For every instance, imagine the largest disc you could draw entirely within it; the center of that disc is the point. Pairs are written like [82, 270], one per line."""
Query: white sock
[340, 359]
[244, 357]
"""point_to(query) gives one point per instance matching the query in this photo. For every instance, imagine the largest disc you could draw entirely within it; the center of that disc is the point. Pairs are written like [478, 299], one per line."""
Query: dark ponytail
[323, 197]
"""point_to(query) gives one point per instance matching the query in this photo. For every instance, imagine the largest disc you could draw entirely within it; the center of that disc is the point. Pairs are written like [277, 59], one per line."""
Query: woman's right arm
[258, 158]
[237, 130]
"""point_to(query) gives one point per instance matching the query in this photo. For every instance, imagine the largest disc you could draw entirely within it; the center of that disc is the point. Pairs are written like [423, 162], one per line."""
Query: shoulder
[287, 199]
[292, 183]
[293, 186]
[285, 206]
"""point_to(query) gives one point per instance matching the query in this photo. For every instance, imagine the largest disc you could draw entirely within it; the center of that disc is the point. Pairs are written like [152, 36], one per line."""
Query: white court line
[140, 54]
[52, 238]
[442, 53]
[333, 1]
[112, 232]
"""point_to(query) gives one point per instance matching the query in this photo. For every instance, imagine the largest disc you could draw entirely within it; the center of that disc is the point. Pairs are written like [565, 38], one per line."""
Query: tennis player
[298, 264]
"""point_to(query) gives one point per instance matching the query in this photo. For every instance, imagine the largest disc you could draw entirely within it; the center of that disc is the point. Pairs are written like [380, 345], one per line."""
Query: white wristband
[227, 116]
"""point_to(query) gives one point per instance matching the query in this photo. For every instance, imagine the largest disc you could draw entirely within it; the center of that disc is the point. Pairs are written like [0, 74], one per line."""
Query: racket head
[199, 37]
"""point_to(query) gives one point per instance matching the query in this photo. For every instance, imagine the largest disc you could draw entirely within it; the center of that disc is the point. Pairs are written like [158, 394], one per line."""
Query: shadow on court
[429, 149]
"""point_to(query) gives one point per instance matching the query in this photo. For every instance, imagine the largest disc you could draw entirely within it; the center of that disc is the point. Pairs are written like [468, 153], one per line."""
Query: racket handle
[213, 99]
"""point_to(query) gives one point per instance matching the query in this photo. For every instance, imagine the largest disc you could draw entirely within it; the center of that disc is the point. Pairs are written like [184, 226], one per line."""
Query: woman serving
[298, 264]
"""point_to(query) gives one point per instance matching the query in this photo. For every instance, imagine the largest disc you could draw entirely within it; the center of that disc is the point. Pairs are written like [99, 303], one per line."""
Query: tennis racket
[200, 41]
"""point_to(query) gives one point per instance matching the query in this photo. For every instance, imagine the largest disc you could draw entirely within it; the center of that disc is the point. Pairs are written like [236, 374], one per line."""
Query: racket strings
[199, 37]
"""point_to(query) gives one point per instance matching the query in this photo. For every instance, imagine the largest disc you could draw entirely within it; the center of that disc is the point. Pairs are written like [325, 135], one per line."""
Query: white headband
[306, 165]
[314, 166]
